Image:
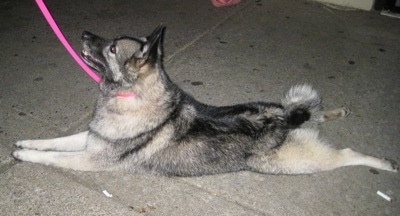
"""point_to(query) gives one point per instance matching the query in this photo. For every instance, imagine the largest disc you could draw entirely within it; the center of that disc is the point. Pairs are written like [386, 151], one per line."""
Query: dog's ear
[155, 43]
[152, 50]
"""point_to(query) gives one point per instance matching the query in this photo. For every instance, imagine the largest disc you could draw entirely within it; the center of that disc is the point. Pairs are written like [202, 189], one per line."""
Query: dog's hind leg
[304, 152]
[75, 142]
[334, 114]
[82, 160]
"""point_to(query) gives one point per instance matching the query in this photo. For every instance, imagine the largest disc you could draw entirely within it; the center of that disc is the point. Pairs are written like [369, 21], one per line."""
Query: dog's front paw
[25, 155]
[19, 154]
[20, 144]
[25, 144]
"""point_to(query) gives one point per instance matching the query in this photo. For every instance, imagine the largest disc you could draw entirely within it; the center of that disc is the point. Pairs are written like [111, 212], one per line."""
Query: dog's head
[124, 60]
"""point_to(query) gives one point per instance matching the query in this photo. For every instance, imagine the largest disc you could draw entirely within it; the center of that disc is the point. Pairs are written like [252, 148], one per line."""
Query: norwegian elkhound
[143, 122]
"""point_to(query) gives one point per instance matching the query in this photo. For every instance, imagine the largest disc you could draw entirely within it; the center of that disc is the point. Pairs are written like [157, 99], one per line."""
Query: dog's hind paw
[393, 165]
[345, 112]
[335, 114]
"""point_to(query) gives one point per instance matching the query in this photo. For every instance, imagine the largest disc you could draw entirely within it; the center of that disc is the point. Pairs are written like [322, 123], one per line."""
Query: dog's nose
[87, 35]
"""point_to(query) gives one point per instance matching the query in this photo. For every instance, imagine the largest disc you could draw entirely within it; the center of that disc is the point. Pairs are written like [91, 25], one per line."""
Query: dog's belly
[200, 157]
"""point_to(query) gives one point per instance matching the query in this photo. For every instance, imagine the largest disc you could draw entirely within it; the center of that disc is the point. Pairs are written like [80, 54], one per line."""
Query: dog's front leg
[75, 142]
[82, 160]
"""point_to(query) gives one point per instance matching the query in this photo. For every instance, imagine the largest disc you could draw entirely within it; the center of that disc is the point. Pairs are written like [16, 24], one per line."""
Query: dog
[143, 122]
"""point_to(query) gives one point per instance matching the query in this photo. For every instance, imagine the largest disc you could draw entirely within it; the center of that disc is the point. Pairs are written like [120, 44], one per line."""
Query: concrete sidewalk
[253, 51]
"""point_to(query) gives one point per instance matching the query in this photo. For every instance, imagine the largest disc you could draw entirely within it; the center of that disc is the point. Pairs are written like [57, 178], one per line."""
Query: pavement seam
[92, 186]
[243, 205]
[86, 117]
[4, 167]
[206, 32]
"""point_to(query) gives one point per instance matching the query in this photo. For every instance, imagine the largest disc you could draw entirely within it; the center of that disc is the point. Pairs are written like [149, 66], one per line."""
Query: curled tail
[301, 104]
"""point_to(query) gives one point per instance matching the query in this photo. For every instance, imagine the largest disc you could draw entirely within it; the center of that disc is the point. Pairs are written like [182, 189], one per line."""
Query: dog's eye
[113, 49]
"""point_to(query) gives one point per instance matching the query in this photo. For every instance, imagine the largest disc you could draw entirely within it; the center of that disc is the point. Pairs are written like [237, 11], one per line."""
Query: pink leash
[64, 41]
